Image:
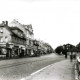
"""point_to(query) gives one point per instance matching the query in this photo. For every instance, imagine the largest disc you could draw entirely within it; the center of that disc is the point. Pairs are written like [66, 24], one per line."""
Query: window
[1, 39]
[18, 40]
[6, 39]
[23, 42]
[21, 35]
[15, 38]
[29, 42]
[1, 30]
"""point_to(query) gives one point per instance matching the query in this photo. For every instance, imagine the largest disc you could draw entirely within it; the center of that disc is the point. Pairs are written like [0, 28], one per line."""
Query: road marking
[36, 72]
[28, 77]
[40, 70]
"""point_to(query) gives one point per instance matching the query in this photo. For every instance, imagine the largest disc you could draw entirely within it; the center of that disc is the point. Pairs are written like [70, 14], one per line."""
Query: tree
[59, 49]
[78, 47]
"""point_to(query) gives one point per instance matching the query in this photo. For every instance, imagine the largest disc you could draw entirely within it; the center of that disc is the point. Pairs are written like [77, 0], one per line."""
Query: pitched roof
[15, 35]
[15, 28]
[12, 33]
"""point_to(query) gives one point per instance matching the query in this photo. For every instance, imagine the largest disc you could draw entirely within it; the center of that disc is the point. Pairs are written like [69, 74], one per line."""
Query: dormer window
[21, 35]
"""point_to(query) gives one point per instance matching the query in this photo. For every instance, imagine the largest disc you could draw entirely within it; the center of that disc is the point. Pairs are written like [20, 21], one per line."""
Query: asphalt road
[17, 69]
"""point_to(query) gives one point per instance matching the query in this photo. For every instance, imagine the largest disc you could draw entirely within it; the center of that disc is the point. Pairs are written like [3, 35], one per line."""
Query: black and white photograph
[39, 40]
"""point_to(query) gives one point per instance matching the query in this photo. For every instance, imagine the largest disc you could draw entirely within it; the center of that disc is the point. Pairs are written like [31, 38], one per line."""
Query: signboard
[4, 51]
[7, 45]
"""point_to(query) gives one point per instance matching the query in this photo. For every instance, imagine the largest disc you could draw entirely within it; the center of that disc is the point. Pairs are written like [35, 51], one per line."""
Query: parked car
[36, 53]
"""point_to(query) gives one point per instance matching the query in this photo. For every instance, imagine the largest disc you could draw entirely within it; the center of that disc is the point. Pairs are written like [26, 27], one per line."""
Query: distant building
[29, 38]
[42, 47]
[68, 47]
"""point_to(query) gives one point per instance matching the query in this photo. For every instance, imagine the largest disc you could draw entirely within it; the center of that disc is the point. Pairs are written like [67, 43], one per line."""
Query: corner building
[13, 39]
[29, 35]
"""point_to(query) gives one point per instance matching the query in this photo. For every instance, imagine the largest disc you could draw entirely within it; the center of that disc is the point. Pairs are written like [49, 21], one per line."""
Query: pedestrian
[71, 56]
[74, 55]
[65, 53]
[78, 65]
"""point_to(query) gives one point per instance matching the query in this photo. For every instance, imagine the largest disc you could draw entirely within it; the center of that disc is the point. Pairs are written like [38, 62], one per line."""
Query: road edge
[76, 72]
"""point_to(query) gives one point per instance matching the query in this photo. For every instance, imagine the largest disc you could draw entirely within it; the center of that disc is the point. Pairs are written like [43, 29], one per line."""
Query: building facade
[28, 32]
[41, 47]
[68, 47]
[12, 39]
[18, 40]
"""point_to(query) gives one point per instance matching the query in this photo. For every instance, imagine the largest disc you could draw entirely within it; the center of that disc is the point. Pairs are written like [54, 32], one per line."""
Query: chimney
[3, 22]
[6, 23]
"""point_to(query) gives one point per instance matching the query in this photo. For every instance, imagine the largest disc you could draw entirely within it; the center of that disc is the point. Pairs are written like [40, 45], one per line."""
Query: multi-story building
[29, 39]
[28, 31]
[42, 47]
[13, 39]
[68, 47]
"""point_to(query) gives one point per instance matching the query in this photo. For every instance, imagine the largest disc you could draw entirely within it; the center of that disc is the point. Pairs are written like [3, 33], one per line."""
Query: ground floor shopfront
[29, 50]
[15, 50]
[12, 50]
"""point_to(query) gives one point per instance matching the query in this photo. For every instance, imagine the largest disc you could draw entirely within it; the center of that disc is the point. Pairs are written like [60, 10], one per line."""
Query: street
[39, 40]
[17, 69]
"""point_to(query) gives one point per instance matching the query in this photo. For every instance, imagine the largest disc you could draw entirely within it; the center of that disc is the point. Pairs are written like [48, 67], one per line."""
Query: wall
[6, 35]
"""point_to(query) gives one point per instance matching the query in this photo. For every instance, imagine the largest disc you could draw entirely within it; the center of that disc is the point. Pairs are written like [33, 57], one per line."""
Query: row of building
[17, 39]
[67, 48]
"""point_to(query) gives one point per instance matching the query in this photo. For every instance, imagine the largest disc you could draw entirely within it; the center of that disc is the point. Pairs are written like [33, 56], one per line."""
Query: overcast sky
[54, 21]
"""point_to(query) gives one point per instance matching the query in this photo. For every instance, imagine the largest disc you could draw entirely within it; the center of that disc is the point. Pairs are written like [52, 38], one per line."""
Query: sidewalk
[63, 70]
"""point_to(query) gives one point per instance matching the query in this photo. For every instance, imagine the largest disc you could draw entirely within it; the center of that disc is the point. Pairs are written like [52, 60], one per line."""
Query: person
[71, 56]
[74, 55]
[78, 64]
[65, 53]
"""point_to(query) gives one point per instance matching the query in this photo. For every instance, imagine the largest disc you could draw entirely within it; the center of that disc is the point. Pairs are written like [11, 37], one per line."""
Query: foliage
[59, 49]
[78, 47]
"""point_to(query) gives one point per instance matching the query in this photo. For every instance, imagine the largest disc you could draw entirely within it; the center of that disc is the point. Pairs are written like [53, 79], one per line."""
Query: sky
[56, 22]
